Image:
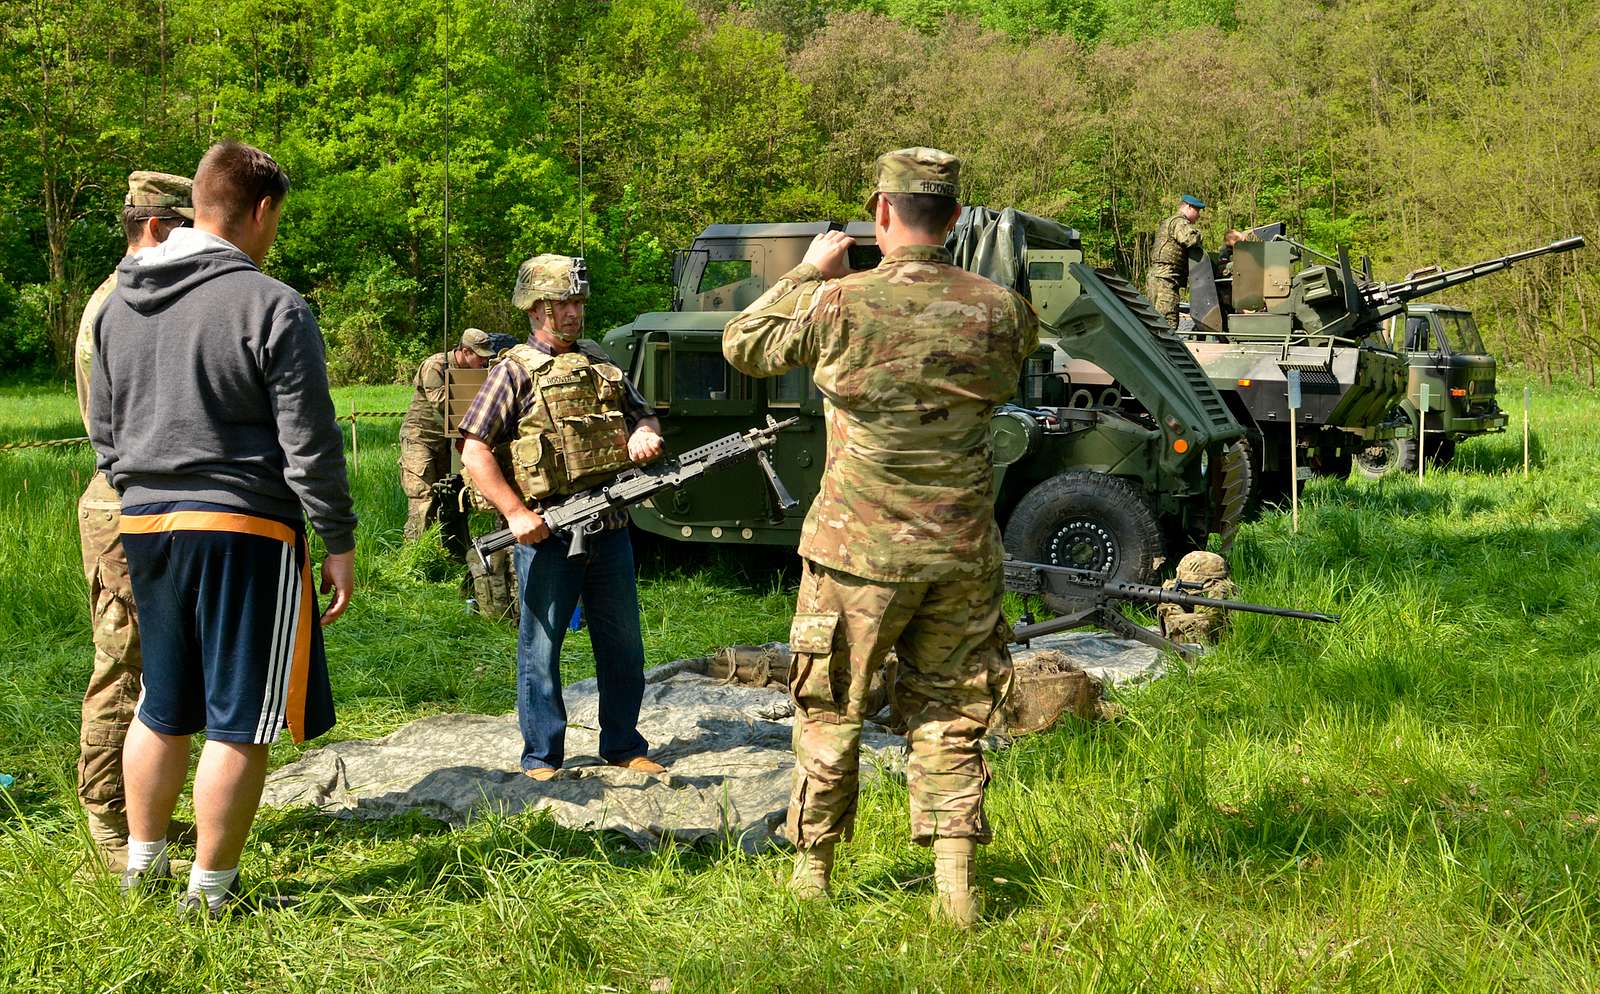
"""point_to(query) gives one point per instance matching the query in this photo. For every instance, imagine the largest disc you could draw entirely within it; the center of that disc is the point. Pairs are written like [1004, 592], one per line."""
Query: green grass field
[1409, 801]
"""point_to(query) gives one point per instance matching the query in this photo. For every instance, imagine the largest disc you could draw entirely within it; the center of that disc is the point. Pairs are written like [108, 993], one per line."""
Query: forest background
[1414, 131]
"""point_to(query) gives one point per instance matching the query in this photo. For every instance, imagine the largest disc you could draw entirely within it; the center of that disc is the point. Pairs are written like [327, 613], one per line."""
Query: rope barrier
[50, 443]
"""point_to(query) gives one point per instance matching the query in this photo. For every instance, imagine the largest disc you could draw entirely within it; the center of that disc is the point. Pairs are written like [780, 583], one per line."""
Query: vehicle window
[722, 272]
[791, 388]
[1417, 337]
[699, 375]
[1462, 333]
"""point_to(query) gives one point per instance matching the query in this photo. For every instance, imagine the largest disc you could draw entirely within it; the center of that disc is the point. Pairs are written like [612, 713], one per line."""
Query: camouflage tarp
[726, 747]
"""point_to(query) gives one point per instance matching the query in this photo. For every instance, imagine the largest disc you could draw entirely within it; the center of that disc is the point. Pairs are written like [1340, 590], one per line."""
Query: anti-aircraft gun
[1324, 320]
[1115, 454]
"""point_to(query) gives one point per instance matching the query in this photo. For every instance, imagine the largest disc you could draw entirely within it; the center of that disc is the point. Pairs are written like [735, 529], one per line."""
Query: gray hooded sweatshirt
[210, 384]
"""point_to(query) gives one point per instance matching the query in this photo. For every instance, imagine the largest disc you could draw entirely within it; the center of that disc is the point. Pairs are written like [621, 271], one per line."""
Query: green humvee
[1116, 454]
[1443, 349]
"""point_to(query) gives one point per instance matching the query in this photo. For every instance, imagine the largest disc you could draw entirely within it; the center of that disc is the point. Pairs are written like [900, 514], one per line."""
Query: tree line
[1418, 132]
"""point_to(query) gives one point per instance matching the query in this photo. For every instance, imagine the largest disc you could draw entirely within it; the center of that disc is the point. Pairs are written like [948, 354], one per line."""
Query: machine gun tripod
[1092, 598]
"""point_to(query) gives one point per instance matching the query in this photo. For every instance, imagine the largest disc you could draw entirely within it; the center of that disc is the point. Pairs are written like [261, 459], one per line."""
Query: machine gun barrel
[1091, 598]
[1422, 286]
[1039, 579]
[583, 513]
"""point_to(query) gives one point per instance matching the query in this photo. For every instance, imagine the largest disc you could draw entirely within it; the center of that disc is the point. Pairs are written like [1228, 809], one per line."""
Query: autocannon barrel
[1422, 286]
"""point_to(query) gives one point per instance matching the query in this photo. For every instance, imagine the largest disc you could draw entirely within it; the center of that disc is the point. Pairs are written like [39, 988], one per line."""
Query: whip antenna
[446, 329]
[583, 207]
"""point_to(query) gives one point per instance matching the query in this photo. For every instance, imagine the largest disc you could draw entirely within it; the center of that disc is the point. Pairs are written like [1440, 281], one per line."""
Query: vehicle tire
[1392, 455]
[1088, 521]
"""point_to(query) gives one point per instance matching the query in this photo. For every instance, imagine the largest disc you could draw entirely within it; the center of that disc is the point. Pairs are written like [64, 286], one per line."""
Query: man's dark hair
[134, 218]
[924, 212]
[233, 177]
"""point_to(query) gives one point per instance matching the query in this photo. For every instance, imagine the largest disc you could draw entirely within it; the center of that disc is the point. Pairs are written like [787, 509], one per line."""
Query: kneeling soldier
[1206, 574]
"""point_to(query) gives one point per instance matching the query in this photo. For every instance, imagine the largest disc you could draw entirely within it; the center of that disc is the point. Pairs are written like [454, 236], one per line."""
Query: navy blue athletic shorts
[228, 623]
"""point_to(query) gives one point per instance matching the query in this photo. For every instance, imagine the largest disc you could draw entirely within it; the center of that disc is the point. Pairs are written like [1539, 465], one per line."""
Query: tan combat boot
[956, 902]
[812, 867]
[109, 832]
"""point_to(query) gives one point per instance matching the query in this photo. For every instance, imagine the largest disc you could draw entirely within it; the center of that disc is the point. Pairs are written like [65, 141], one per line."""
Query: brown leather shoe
[641, 764]
[542, 774]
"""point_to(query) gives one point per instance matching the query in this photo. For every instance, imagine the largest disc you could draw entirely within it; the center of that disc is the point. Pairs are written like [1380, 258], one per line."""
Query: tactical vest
[1167, 250]
[575, 436]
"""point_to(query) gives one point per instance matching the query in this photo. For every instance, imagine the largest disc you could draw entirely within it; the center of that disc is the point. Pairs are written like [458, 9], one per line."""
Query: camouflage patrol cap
[1197, 567]
[147, 189]
[916, 170]
[478, 341]
[549, 277]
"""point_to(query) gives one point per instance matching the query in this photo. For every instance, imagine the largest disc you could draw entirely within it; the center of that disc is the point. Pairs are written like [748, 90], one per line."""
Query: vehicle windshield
[1462, 332]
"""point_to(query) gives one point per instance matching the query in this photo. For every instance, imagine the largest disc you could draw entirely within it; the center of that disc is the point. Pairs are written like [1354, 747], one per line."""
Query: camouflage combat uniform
[900, 547]
[424, 450]
[113, 691]
[1169, 265]
[1206, 574]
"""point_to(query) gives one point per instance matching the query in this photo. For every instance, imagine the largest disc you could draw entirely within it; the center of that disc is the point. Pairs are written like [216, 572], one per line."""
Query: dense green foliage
[1433, 131]
[1409, 801]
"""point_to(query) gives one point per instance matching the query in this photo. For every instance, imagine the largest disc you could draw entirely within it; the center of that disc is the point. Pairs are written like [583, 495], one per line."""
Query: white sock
[147, 856]
[213, 884]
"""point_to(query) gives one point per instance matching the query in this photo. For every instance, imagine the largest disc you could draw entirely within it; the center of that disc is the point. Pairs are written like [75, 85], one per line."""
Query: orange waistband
[207, 521]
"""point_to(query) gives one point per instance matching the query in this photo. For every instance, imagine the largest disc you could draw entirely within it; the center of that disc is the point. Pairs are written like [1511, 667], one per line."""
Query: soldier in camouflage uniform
[557, 416]
[156, 203]
[1206, 574]
[424, 450]
[901, 549]
[1169, 258]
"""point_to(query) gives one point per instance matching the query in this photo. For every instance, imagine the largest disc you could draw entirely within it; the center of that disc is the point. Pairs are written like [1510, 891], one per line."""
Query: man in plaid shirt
[553, 290]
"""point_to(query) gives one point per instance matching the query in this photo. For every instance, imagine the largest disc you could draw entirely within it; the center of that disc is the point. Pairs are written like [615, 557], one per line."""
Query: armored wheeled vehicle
[1442, 349]
[1116, 453]
[1287, 308]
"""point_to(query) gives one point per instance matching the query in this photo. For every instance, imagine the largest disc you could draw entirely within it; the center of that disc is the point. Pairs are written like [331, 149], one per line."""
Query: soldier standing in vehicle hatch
[900, 547]
[1169, 258]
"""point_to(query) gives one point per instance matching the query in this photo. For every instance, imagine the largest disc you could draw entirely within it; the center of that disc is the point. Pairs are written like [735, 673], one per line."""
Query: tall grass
[1408, 801]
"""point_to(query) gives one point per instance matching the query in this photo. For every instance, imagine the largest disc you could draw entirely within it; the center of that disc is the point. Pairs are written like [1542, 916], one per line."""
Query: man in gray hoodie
[212, 419]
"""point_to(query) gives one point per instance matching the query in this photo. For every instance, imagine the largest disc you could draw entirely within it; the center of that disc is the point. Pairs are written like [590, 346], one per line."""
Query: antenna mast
[446, 329]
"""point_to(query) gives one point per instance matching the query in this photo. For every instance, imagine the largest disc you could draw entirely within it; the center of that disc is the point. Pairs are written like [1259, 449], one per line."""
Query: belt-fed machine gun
[584, 513]
[1085, 597]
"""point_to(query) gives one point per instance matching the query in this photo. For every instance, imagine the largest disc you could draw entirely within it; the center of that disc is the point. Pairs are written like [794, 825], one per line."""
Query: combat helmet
[1199, 566]
[549, 277]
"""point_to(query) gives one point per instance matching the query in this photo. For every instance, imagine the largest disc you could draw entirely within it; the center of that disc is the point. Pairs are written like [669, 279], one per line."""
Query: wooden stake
[1527, 407]
[355, 448]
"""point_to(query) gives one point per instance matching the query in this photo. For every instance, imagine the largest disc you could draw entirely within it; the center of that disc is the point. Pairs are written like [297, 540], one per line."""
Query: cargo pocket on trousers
[810, 684]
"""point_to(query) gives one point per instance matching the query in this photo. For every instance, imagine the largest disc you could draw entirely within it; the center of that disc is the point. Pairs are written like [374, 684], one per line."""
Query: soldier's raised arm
[777, 333]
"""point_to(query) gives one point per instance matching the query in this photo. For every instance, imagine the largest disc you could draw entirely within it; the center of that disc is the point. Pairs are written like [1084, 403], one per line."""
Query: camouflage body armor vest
[575, 436]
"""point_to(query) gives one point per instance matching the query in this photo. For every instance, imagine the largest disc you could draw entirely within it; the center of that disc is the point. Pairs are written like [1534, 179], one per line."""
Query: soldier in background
[1169, 258]
[424, 450]
[1206, 574]
[900, 547]
[156, 204]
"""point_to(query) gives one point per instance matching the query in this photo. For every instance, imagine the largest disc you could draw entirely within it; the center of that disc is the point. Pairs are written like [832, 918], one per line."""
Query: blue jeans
[551, 585]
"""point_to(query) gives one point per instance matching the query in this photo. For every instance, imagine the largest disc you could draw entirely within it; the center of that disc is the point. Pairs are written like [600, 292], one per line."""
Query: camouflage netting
[725, 743]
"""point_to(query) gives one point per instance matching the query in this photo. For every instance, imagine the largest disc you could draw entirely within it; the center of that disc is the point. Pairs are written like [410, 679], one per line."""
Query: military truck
[1287, 307]
[1117, 452]
[1443, 349]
